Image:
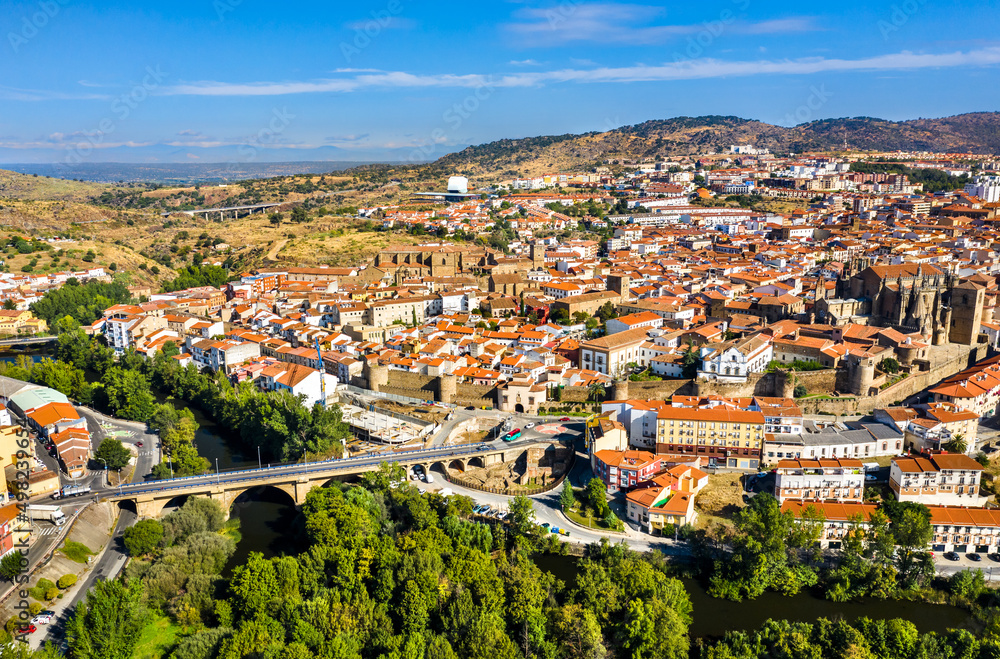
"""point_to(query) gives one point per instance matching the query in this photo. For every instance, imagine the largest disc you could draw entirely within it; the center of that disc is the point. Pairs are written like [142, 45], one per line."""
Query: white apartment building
[644, 319]
[734, 361]
[611, 355]
[946, 479]
[986, 188]
[824, 480]
[862, 441]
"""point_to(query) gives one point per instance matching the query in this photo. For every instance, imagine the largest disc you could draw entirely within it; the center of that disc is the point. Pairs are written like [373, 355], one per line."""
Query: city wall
[444, 388]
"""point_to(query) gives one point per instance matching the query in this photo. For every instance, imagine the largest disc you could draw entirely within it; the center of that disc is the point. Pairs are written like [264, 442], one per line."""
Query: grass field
[157, 638]
[720, 500]
[76, 551]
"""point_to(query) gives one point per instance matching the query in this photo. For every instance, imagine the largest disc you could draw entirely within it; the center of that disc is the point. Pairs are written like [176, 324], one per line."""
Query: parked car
[475, 511]
[974, 557]
[41, 619]
[29, 629]
[951, 556]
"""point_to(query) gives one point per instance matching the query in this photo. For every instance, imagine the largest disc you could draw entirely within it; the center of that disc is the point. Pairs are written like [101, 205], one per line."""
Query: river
[268, 524]
[714, 617]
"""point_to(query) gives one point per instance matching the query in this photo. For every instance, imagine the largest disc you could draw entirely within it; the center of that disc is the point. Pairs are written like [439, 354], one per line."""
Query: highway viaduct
[296, 480]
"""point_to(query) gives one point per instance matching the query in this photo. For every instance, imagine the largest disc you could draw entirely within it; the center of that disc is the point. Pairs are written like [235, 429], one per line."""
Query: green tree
[890, 365]
[956, 444]
[144, 537]
[912, 531]
[127, 394]
[112, 453]
[107, 623]
[578, 633]
[566, 498]
[690, 361]
[800, 391]
[597, 497]
[522, 515]
[13, 564]
[969, 584]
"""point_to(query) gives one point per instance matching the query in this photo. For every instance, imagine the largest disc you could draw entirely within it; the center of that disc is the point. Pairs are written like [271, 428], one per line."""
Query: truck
[52, 514]
[72, 491]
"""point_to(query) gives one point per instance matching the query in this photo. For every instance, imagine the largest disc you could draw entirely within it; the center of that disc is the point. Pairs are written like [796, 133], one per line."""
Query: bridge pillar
[224, 498]
[302, 488]
[149, 509]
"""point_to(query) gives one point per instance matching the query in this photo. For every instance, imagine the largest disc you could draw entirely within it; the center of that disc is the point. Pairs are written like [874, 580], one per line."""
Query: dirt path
[278, 246]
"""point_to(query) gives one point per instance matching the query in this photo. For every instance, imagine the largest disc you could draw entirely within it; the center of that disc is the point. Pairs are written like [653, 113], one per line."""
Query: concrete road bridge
[236, 211]
[296, 480]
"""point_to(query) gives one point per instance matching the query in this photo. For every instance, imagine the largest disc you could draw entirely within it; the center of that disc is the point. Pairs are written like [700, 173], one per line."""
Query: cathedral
[910, 297]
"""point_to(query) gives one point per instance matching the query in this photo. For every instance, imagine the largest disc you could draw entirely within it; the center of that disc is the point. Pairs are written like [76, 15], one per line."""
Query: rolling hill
[967, 133]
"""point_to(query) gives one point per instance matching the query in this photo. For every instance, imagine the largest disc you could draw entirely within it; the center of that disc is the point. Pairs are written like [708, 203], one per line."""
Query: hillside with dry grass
[977, 133]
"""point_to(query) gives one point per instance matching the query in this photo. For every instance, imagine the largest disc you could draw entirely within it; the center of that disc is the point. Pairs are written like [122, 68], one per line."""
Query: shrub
[34, 608]
[51, 593]
[66, 581]
[800, 391]
[75, 551]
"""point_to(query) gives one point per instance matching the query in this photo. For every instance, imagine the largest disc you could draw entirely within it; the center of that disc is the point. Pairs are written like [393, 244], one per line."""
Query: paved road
[990, 567]
[107, 566]
[128, 432]
[345, 465]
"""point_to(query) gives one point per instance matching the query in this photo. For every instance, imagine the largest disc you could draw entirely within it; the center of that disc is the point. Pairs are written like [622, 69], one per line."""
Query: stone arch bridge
[296, 480]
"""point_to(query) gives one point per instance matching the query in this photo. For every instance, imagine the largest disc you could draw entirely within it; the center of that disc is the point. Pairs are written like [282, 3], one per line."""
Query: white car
[42, 619]
[530, 425]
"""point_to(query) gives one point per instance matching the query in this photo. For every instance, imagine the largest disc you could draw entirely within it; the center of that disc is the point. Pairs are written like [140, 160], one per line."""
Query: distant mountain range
[977, 132]
[179, 173]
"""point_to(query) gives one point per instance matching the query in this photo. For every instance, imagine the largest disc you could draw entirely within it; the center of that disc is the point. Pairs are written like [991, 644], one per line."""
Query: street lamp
[105, 467]
[260, 465]
[217, 471]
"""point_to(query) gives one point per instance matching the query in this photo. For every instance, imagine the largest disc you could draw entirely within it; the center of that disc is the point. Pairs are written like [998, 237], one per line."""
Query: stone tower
[620, 284]
[537, 256]
[967, 300]
[861, 373]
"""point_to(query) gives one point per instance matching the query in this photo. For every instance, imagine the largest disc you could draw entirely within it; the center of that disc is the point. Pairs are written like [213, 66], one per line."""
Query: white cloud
[628, 24]
[525, 62]
[685, 70]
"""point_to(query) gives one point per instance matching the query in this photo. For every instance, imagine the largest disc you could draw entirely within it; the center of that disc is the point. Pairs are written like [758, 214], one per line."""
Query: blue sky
[215, 80]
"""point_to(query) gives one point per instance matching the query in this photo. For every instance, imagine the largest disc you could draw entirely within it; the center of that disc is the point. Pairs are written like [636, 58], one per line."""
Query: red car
[565, 418]
[139, 444]
[29, 629]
